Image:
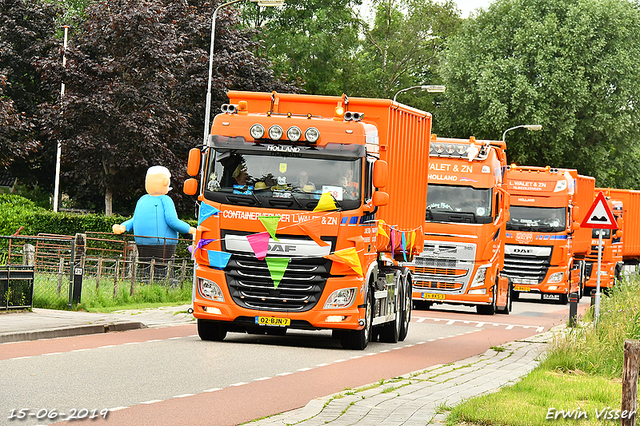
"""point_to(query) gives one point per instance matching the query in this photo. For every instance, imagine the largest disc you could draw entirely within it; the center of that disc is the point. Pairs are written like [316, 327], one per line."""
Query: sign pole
[596, 310]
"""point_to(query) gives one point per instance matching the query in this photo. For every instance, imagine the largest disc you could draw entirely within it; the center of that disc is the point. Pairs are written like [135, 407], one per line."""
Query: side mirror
[380, 174]
[190, 186]
[193, 165]
[380, 198]
[575, 226]
[618, 233]
[506, 205]
[575, 213]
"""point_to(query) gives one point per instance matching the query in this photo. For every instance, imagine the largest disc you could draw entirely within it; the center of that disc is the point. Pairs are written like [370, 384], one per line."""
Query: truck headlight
[342, 298]
[210, 290]
[481, 274]
[556, 277]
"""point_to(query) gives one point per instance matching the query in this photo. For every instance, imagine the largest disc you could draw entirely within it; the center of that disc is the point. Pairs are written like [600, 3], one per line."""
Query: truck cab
[464, 231]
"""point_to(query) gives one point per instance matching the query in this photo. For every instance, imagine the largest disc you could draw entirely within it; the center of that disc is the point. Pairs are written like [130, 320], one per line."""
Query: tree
[572, 66]
[310, 42]
[402, 47]
[26, 35]
[135, 85]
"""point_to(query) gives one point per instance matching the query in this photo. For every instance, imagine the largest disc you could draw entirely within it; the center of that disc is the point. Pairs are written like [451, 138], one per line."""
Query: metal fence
[101, 265]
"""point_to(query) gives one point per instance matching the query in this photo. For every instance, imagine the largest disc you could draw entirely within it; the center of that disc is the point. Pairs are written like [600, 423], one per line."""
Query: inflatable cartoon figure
[155, 222]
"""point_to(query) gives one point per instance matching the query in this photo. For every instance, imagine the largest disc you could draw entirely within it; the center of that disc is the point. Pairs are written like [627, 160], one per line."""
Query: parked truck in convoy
[611, 253]
[309, 206]
[545, 247]
[464, 232]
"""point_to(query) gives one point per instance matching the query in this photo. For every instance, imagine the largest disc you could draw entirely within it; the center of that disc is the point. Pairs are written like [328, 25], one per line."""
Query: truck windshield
[282, 180]
[537, 219]
[465, 204]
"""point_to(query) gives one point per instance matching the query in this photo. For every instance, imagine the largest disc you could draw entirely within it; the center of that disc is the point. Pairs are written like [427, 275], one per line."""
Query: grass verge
[580, 380]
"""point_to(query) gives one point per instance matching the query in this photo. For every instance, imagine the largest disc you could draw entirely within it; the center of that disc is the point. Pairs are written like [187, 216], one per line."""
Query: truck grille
[526, 268]
[251, 286]
[444, 266]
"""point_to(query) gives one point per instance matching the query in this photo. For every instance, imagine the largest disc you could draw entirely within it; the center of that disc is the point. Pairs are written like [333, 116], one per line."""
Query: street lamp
[428, 88]
[268, 3]
[56, 189]
[534, 127]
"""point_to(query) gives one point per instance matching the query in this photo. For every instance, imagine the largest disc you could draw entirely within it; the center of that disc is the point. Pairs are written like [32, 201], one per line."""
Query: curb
[69, 331]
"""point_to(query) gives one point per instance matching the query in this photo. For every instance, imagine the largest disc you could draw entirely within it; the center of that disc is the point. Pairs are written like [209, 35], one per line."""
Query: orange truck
[621, 247]
[309, 207]
[464, 231]
[545, 247]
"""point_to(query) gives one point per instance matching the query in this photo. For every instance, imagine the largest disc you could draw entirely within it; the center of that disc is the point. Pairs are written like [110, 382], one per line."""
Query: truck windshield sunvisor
[458, 204]
[282, 180]
[537, 219]
[329, 150]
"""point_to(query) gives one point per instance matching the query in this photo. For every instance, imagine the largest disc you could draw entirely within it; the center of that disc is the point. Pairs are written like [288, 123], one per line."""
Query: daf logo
[282, 248]
[518, 250]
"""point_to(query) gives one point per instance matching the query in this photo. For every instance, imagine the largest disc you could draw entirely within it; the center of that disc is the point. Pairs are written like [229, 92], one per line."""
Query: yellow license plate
[433, 296]
[521, 288]
[274, 321]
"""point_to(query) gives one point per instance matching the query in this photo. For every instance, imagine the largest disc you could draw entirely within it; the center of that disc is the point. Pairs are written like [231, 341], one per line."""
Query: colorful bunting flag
[277, 267]
[348, 256]
[313, 228]
[404, 246]
[326, 203]
[259, 243]
[393, 241]
[271, 225]
[218, 259]
[381, 230]
[206, 211]
[201, 243]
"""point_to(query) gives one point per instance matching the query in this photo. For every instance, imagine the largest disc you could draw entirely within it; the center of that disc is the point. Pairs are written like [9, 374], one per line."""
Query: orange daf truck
[545, 247]
[464, 231]
[307, 213]
[611, 260]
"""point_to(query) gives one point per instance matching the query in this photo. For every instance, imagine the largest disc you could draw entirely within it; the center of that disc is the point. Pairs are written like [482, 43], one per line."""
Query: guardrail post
[115, 279]
[183, 273]
[60, 274]
[29, 255]
[630, 383]
[98, 274]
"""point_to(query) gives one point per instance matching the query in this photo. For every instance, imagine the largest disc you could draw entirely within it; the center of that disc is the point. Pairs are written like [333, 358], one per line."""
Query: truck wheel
[390, 332]
[488, 309]
[406, 309]
[359, 339]
[509, 306]
[212, 331]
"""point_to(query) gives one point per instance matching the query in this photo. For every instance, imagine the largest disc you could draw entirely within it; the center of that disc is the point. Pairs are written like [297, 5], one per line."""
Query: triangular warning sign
[599, 215]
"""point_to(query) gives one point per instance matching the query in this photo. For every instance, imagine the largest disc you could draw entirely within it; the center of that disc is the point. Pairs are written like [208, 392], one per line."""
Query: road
[168, 376]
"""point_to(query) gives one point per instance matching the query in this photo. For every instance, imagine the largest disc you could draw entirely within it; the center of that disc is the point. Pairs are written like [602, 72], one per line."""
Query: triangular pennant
[348, 256]
[206, 211]
[218, 259]
[277, 266]
[404, 246]
[313, 228]
[259, 243]
[271, 225]
[393, 242]
[201, 243]
[381, 230]
[326, 203]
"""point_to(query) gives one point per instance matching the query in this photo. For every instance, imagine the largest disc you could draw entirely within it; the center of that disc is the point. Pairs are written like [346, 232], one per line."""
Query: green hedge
[17, 211]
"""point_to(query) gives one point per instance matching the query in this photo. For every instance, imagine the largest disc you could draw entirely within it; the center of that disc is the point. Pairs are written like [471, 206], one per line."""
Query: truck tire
[359, 339]
[488, 309]
[390, 332]
[406, 308]
[211, 331]
[509, 305]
